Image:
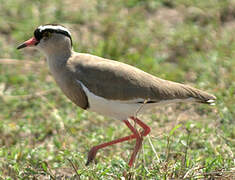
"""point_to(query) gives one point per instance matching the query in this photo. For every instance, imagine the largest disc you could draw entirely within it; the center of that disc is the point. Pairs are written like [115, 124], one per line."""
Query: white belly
[121, 110]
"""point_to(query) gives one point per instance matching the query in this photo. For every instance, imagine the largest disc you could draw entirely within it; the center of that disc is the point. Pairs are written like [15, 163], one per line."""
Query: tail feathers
[211, 102]
[199, 95]
[168, 90]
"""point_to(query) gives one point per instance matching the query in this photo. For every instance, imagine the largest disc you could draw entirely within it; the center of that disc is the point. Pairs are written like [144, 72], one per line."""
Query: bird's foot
[91, 155]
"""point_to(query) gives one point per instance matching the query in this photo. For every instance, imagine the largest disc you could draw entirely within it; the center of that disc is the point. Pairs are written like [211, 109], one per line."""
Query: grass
[44, 136]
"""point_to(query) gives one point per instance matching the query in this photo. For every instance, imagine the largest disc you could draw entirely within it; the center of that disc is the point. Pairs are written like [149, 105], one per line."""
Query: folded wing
[118, 81]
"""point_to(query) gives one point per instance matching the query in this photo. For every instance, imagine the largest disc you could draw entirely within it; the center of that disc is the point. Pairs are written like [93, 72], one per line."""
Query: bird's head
[49, 38]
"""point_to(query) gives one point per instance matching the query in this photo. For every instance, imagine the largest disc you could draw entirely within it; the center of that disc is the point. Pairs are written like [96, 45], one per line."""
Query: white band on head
[55, 27]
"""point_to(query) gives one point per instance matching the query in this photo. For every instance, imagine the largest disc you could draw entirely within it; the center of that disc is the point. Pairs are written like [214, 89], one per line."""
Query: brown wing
[119, 81]
[72, 89]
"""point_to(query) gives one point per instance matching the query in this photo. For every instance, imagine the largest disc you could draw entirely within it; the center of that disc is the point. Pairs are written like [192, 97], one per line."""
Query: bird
[108, 87]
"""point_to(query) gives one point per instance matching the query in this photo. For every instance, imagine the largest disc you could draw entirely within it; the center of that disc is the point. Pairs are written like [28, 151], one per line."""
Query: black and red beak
[31, 42]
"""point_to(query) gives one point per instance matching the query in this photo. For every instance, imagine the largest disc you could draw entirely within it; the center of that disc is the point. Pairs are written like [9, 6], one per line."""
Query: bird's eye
[46, 34]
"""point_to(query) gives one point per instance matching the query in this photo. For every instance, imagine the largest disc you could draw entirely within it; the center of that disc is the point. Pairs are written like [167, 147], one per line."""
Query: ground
[44, 136]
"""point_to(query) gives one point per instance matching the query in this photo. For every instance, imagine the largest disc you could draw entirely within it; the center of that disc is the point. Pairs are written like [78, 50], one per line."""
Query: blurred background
[43, 135]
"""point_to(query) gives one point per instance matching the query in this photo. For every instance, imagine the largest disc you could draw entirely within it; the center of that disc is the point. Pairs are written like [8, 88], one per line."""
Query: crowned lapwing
[108, 87]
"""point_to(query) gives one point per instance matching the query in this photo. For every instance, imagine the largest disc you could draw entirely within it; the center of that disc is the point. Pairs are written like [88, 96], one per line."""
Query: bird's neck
[59, 52]
[57, 61]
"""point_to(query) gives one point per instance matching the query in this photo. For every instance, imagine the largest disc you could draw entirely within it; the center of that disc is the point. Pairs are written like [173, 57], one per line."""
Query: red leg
[138, 145]
[146, 128]
[93, 151]
[139, 139]
[135, 135]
